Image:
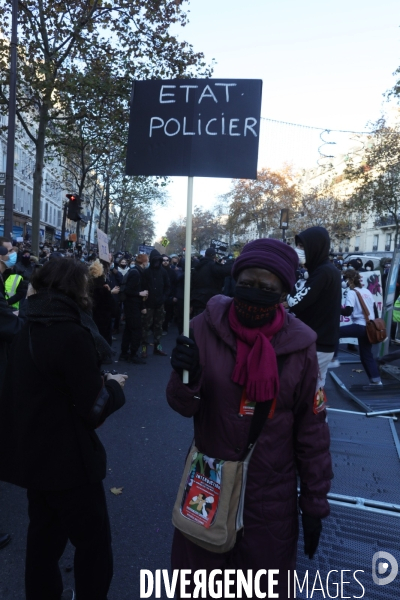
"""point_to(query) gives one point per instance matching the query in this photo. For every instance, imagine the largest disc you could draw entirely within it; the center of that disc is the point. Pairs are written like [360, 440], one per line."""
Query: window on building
[375, 243]
[46, 213]
[388, 242]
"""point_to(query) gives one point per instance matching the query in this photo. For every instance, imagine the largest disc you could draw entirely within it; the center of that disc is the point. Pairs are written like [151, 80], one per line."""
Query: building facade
[53, 196]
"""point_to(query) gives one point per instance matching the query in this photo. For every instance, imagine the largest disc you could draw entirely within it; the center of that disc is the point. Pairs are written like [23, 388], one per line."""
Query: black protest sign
[195, 127]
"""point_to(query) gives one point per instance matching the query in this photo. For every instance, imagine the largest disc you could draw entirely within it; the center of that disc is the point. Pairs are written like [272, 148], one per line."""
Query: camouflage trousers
[153, 321]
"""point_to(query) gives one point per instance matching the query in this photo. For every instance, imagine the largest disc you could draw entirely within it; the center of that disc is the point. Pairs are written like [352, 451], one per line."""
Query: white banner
[372, 280]
[102, 240]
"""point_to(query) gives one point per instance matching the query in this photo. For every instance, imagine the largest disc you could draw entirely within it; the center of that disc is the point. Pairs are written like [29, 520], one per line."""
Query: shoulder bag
[94, 418]
[209, 506]
[376, 328]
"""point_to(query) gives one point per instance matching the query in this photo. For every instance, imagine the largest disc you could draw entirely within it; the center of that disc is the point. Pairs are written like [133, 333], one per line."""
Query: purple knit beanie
[272, 255]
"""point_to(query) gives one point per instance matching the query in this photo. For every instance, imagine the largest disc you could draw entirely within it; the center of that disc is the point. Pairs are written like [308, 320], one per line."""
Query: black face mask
[255, 307]
[26, 260]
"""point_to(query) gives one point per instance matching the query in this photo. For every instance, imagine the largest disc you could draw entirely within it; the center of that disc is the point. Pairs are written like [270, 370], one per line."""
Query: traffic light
[74, 207]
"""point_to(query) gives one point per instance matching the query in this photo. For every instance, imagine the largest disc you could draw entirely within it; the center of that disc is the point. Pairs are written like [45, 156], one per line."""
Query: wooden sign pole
[177, 129]
[188, 264]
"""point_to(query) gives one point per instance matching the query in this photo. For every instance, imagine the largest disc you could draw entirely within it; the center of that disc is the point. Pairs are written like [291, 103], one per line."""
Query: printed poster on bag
[202, 490]
[246, 406]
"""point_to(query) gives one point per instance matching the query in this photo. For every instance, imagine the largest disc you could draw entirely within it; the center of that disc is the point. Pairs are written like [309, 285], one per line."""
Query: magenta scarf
[256, 367]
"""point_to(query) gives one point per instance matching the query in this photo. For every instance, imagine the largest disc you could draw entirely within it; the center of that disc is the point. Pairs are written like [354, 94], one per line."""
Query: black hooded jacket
[318, 302]
[156, 281]
[208, 280]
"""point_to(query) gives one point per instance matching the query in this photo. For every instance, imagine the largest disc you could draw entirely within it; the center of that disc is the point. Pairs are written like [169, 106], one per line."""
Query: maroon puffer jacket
[294, 437]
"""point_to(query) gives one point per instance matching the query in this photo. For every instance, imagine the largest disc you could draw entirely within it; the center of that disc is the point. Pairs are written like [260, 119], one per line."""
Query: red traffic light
[72, 197]
[73, 207]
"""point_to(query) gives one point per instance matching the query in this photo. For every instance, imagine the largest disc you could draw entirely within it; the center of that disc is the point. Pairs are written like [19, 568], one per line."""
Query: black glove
[312, 527]
[185, 356]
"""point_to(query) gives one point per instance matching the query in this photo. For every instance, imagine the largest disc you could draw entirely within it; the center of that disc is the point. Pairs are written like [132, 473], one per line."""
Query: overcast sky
[322, 64]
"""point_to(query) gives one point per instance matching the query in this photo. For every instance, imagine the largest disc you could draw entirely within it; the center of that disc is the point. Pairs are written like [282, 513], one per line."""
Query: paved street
[146, 443]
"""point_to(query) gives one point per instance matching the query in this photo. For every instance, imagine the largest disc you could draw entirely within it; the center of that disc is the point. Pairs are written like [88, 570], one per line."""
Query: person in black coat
[156, 281]
[25, 266]
[317, 301]
[207, 280]
[48, 443]
[104, 305]
[134, 296]
[10, 325]
[114, 277]
[171, 301]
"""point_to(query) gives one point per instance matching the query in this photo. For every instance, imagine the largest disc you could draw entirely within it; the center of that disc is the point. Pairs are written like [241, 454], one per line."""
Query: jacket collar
[293, 336]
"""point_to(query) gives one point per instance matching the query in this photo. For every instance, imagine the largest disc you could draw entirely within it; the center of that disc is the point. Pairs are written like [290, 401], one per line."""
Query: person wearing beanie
[248, 357]
[318, 302]
[208, 278]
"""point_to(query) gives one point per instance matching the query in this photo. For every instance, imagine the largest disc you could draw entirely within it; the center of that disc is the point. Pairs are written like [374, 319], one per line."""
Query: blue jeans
[365, 347]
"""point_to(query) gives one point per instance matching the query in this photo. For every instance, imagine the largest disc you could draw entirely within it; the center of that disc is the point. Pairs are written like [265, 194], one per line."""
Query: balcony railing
[374, 248]
[387, 247]
[386, 221]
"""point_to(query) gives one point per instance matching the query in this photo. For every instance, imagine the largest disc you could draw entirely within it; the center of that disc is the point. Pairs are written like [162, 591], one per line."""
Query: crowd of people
[265, 329]
[143, 292]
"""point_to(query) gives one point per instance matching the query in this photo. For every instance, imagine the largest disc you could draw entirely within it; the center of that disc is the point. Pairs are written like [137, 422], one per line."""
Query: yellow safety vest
[10, 287]
[396, 311]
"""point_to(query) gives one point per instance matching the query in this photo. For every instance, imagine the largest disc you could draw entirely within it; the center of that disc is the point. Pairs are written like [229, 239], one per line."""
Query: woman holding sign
[248, 358]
